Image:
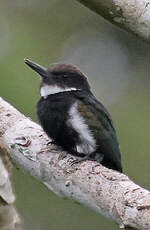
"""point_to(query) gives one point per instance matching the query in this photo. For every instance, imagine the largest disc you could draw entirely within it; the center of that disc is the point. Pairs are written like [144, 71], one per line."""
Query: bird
[73, 118]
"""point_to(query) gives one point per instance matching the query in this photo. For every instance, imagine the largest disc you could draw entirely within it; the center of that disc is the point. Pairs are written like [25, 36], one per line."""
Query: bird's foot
[54, 146]
[92, 157]
[85, 158]
[62, 155]
[51, 142]
[99, 157]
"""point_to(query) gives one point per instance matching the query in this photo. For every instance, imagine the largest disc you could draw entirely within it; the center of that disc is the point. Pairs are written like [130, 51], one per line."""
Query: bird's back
[100, 123]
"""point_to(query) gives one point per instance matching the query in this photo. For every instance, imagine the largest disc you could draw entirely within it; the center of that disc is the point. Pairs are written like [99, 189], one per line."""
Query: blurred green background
[117, 65]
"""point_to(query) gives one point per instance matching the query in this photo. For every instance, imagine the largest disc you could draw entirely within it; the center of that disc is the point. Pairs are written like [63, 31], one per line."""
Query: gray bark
[9, 218]
[131, 15]
[103, 190]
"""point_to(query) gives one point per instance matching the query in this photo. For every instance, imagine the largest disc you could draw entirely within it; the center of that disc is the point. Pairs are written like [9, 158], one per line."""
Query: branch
[103, 190]
[9, 218]
[131, 15]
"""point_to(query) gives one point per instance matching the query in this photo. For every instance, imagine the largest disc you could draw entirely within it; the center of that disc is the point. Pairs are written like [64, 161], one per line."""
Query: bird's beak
[38, 68]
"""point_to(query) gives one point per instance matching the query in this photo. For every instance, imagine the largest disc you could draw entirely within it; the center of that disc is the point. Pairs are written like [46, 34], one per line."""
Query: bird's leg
[98, 157]
[52, 142]
[77, 154]
[74, 153]
[95, 156]
[85, 158]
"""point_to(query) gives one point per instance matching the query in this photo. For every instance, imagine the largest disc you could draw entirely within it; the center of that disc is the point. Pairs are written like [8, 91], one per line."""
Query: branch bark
[9, 218]
[103, 190]
[131, 15]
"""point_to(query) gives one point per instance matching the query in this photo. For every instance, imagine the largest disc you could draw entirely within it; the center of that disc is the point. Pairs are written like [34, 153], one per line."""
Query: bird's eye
[65, 75]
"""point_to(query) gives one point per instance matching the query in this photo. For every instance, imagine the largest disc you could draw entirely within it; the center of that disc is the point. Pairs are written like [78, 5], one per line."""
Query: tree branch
[9, 218]
[103, 190]
[131, 15]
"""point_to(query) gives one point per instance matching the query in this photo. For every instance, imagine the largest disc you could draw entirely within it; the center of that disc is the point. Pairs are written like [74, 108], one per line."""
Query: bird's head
[59, 78]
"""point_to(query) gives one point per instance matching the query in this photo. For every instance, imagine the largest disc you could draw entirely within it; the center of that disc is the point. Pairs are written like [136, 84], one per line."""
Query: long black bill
[38, 68]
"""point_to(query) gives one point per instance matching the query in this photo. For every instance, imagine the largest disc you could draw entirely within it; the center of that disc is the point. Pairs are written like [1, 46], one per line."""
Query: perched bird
[73, 118]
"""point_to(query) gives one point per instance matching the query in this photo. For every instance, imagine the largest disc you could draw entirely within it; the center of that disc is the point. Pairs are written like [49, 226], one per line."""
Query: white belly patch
[88, 144]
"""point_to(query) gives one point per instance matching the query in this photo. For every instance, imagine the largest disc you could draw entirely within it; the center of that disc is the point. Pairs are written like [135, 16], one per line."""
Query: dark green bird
[73, 118]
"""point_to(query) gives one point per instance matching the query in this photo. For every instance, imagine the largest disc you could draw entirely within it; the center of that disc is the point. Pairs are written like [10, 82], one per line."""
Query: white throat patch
[49, 89]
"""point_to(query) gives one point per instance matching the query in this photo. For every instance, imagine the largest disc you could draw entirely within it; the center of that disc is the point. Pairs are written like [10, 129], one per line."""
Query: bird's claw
[76, 161]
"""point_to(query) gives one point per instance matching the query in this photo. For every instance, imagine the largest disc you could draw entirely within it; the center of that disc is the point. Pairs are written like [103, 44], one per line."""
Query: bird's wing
[100, 123]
